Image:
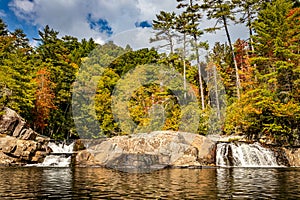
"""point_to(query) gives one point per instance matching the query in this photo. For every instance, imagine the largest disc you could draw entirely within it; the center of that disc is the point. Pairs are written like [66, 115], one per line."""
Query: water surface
[99, 183]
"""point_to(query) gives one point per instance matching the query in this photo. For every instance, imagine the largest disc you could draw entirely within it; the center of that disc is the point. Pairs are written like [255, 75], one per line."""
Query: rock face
[155, 150]
[19, 145]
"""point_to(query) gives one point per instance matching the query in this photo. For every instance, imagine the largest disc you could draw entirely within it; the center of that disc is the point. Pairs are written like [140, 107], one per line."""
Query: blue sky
[123, 21]
[99, 19]
[13, 22]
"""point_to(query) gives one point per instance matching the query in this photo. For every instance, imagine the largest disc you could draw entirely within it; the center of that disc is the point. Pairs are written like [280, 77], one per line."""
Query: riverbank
[20, 145]
[171, 149]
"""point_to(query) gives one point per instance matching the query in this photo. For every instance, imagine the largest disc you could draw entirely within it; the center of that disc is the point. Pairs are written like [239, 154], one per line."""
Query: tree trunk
[184, 65]
[238, 84]
[250, 30]
[216, 92]
[200, 75]
[199, 67]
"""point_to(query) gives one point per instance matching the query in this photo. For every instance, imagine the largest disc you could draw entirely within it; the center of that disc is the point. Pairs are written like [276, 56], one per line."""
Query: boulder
[149, 151]
[19, 145]
[293, 156]
[15, 151]
[11, 123]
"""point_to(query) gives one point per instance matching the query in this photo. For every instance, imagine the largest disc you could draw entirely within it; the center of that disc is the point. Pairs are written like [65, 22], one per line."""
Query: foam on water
[244, 155]
[59, 157]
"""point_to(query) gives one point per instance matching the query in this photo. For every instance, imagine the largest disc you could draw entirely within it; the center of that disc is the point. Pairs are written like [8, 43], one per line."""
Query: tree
[249, 10]
[117, 69]
[16, 72]
[3, 28]
[92, 92]
[44, 99]
[222, 12]
[62, 56]
[277, 46]
[190, 26]
[165, 25]
[221, 57]
[271, 107]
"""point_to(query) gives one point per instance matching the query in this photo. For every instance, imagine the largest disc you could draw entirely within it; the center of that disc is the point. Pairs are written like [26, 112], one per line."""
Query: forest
[245, 87]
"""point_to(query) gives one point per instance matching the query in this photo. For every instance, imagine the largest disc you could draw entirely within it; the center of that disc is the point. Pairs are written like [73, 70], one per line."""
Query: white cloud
[26, 6]
[138, 38]
[2, 13]
[149, 8]
[69, 17]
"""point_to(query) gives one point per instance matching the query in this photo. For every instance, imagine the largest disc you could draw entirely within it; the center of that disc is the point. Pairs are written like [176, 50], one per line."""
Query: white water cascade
[244, 155]
[59, 157]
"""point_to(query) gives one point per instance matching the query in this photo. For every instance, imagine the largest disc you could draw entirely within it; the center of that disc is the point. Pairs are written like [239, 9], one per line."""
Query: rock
[14, 125]
[19, 145]
[85, 158]
[293, 156]
[38, 156]
[227, 138]
[28, 134]
[11, 123]
[19, 152]
[6, 160]
[155, 150]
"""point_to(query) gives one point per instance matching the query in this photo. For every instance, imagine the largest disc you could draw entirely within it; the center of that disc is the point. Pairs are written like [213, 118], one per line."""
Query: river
[100, 183]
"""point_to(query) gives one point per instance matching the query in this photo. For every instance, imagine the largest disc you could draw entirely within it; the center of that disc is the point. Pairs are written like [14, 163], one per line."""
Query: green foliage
[16, 72]
[271, 107]
[258, 114]
[42, 83]
[111, 75]
[164, 26]
[62, 59]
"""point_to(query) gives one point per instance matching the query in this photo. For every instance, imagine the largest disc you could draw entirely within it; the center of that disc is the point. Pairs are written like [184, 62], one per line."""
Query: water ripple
[99, 183]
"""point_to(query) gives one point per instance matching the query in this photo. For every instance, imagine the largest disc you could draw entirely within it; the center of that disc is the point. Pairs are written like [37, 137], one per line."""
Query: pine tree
[62, 57]
[248, 9]
[276, 40]
[165, 25]
[222, 12]
[271, 108]
[16, 72]
[3, 28]
[182, 22]
[189, 25]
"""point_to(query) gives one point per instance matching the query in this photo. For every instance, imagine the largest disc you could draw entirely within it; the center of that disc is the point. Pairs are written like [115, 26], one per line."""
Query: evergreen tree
[3, 28]
[249, 10]
[190, 26]
[271, 107]
[222, 12]
[16, 72]
[62, 57]
[165, 25]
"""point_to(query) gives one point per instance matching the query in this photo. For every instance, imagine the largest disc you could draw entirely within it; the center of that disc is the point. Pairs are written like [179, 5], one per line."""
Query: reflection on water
[99, 183]
[165, 184]
[258, 183]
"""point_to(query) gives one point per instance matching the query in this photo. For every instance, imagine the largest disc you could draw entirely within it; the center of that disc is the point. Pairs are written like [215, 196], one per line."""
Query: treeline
[37, 82]
[243, 87]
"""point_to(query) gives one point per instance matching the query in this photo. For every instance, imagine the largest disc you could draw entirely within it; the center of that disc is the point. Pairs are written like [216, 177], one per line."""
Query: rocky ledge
[154, 150]
[162, 149]
[19, 145]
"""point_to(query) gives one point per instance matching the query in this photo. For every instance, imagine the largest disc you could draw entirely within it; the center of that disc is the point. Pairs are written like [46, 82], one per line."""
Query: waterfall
[59, 157]
[244, 155]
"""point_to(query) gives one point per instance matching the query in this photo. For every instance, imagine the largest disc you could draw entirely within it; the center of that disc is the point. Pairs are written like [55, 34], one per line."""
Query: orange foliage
[242, 59]
[44, 98]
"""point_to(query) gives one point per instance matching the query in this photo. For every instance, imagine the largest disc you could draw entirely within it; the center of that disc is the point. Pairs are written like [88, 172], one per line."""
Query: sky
[122, 21]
